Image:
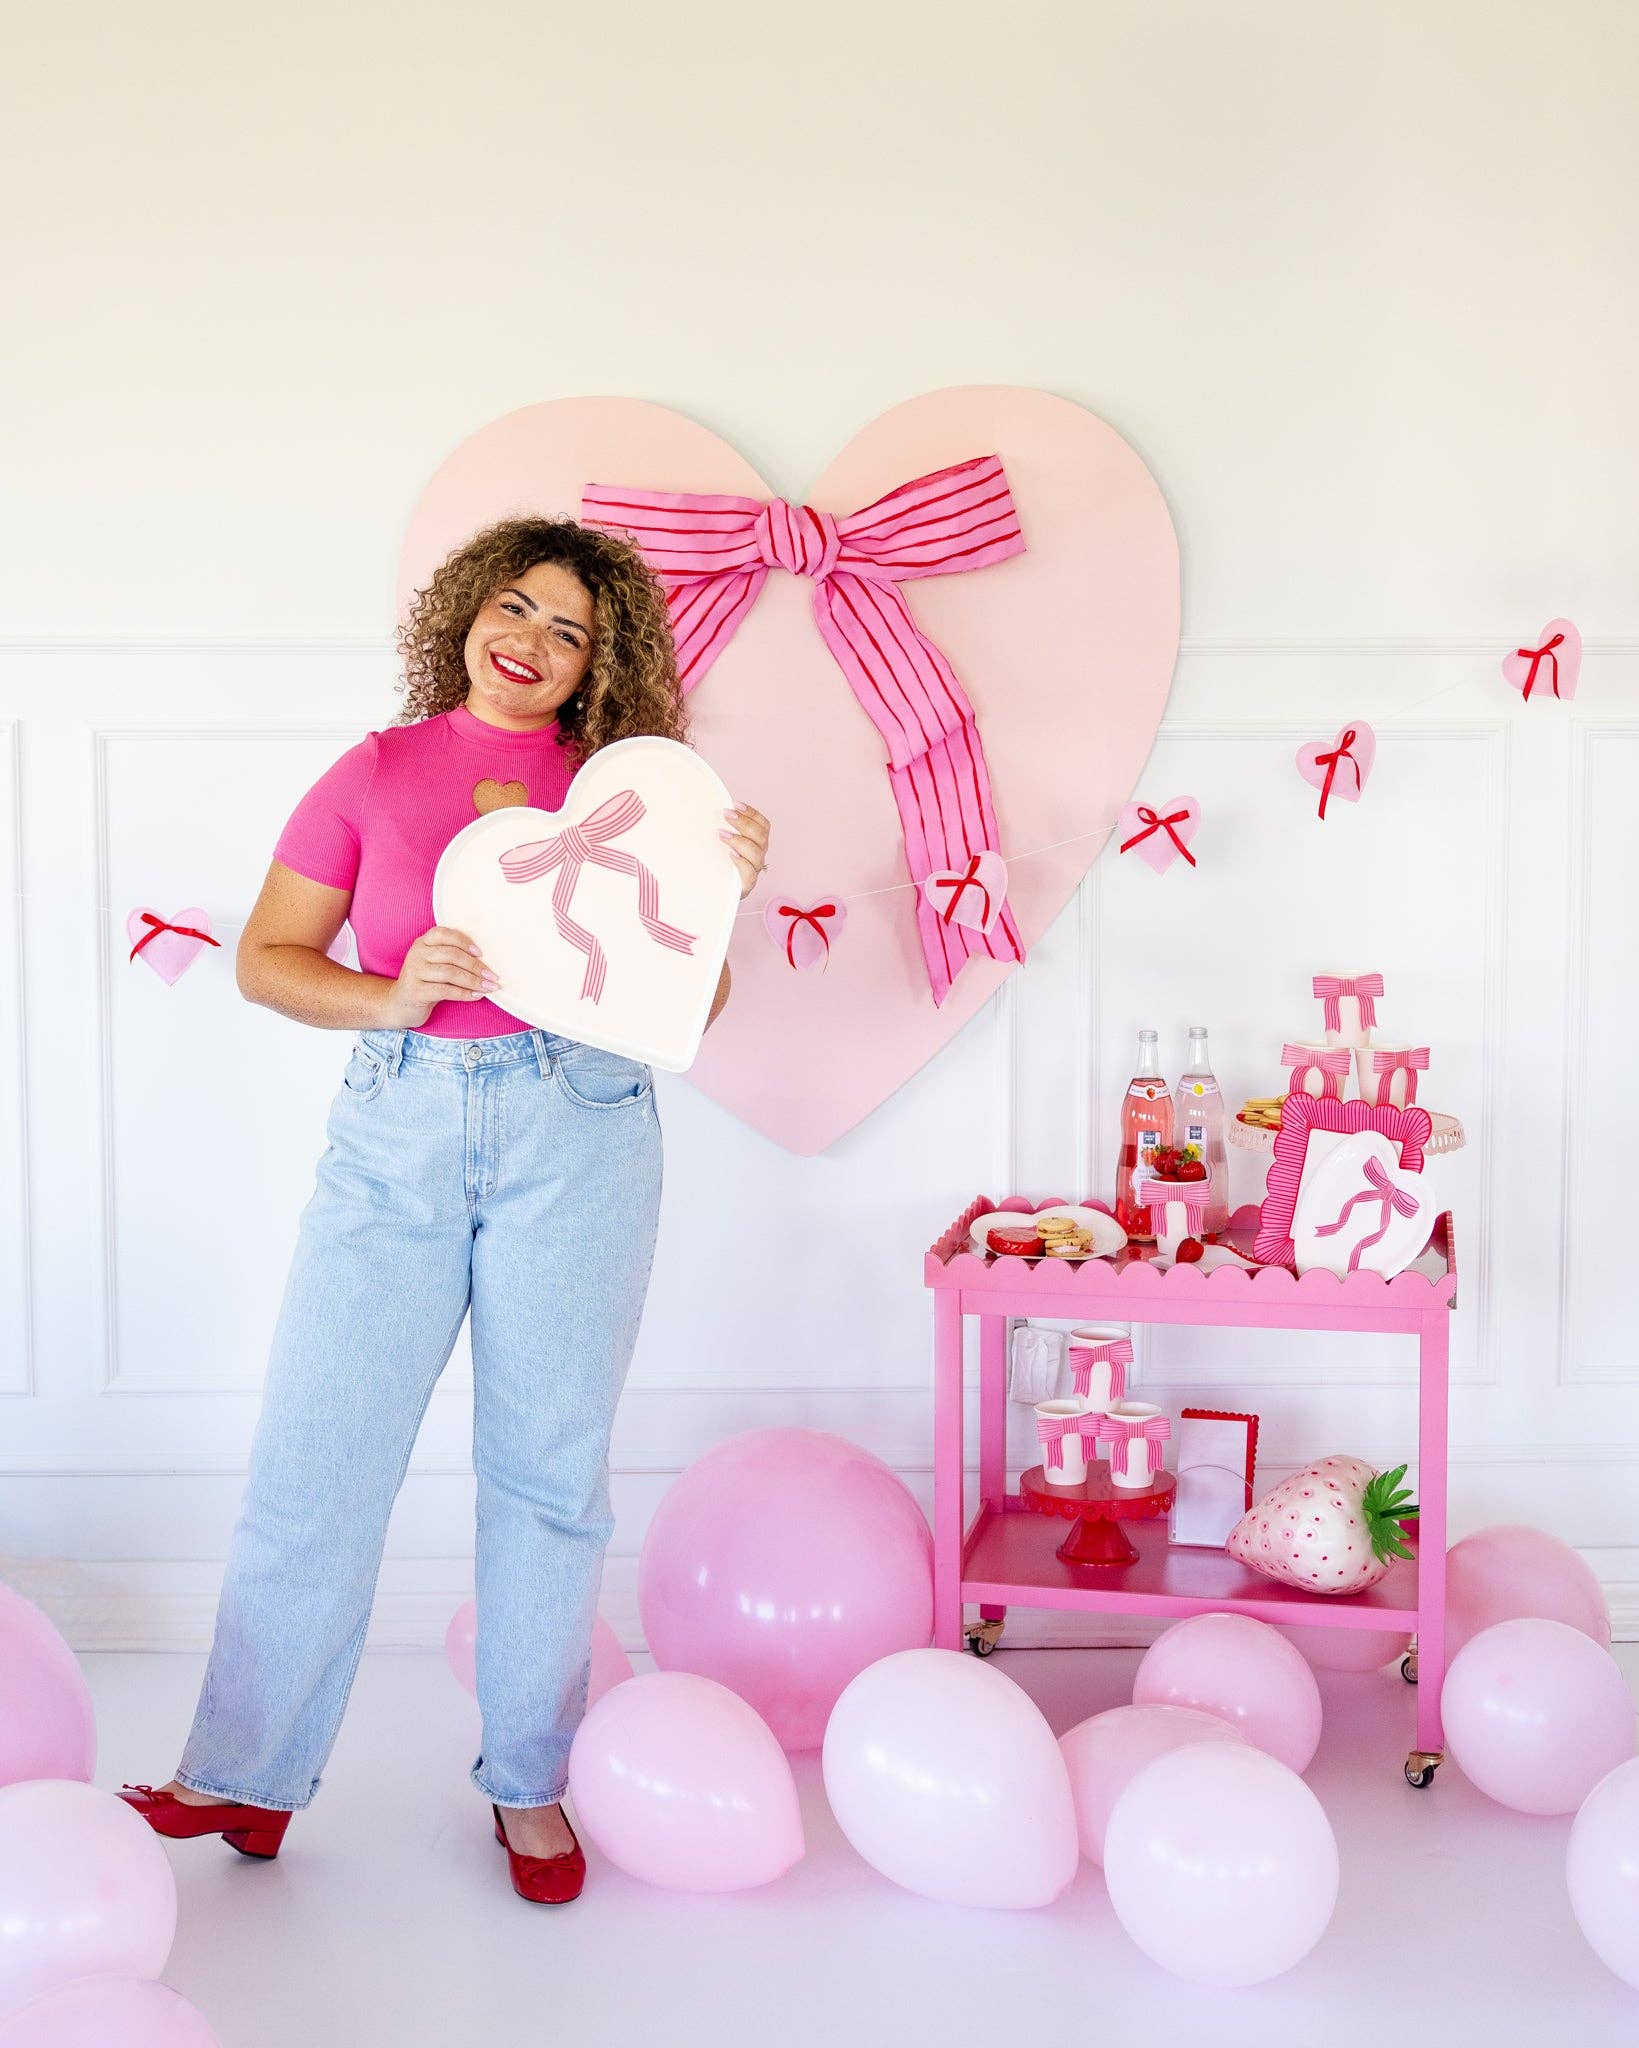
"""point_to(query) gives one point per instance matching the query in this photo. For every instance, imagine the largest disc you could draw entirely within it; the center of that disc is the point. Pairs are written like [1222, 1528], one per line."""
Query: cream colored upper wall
[1358, 280]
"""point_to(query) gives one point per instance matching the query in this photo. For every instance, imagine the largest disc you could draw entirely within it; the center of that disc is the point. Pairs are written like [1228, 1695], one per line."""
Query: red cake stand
[1098, 1507]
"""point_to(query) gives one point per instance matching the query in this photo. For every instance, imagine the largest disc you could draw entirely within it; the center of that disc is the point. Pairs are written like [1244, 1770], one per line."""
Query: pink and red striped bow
[712, 552]
[1379, 1188]
[1053, 1429]
[568, 852]
[1414, 1063]
[1117, 1355]
[1332, 1067]
[1152, 1430]
[1365, 988]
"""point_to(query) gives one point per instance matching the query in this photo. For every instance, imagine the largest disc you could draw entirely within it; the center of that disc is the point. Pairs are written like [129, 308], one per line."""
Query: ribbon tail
[1331, 1229]
[1366, 1243]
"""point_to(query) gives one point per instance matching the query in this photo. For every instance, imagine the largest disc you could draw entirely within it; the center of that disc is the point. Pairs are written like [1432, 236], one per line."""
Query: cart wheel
[1420, 1769]
[982, 1646]
[1408, 1667]
[983, 1637]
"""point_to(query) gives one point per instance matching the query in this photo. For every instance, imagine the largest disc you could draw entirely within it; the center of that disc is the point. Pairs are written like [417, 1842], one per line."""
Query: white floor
[388, 1921]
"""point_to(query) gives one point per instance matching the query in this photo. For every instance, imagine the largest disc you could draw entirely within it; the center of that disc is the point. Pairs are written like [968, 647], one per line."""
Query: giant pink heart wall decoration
[1066, 652]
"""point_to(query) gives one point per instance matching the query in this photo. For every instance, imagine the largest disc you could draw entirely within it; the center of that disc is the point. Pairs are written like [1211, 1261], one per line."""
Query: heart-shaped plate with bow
[1065, 651]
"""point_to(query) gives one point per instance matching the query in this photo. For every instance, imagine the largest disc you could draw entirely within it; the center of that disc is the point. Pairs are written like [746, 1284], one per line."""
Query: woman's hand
[747, 837]
[443, 966]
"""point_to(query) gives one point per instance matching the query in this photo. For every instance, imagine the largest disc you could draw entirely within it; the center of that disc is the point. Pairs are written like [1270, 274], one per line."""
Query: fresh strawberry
[1192, 1169]
[1331, 1528]
[1189, 1251]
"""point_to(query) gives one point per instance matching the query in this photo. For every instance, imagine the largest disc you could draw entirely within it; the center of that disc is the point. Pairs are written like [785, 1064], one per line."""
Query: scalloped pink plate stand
[1066, 715]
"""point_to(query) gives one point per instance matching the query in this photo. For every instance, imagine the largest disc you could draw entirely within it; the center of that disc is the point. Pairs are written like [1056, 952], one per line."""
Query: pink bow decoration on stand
[1152, 1430]
[986, 876]
[1414, 1063]
[567, 852]
[1117, 1355]
[1332, 988]
[1381, 1189]
[712, 552]
[1053, 1429]
[1347, 762]
[1332, 1067]
[801, 935]
[1143, 826]
[1559, 648]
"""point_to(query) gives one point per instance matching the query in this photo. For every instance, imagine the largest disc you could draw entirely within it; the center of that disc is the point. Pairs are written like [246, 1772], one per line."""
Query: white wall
[1357, 281]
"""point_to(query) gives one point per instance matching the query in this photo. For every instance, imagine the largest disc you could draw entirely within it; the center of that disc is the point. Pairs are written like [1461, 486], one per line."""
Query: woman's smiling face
[529, 648]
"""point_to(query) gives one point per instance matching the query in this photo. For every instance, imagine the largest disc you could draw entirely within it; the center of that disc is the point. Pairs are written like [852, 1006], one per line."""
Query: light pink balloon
[610, 1663]
[1602, 1870]
[944, 1775]
[1105, 1753]
[85, 1889]
[1242, 1670]
[1346, 1649]
[1510, 1572]
[1221, 1864]
[108, 2012]
[782, 1563]
[680, 1783]
[1535, 1714]
[47, 1726]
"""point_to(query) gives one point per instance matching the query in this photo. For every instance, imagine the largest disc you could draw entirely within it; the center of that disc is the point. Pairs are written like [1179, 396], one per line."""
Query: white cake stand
[1447, 1136]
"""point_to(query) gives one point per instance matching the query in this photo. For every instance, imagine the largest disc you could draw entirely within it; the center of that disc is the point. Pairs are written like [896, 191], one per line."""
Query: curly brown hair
[631, 686]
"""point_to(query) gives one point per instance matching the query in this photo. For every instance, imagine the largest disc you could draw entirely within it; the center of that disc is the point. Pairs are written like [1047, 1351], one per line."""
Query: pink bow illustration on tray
[712, 552]
[1379, 1188]
[567, 852]
[1332, 1066]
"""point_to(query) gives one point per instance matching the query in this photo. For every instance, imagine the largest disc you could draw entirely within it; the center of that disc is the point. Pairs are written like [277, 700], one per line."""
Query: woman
[472, 1163]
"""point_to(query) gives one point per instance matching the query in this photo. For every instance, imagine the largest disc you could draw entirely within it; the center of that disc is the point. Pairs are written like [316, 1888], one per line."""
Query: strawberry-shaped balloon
[1331, 1528]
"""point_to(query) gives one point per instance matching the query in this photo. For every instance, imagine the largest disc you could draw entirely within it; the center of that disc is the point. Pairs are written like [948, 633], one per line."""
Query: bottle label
[1148, 1142]
[1145, 1091]
[1195, 1134]
[1198, 1084]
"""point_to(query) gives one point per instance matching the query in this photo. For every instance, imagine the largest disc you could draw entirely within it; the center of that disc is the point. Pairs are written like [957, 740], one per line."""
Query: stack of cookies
[1063, 1237]
[1264, 1111]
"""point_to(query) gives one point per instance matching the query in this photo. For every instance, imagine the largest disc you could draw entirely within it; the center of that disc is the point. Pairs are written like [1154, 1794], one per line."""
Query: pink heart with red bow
[1160, 836]
[1340, 767]
[1550, 668]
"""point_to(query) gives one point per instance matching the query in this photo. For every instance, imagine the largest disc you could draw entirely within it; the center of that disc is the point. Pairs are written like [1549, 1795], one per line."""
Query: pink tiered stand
[1007, 1555]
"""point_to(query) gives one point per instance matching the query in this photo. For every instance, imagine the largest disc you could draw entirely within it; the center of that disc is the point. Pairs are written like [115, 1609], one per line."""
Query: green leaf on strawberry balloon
[1385, 1505]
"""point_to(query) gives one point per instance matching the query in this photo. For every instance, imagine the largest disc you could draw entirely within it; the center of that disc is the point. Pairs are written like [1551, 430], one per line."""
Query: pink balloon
[782, 1563]
[85, 1889]
[945, 1776]
[1241, 1670]
[610, 1663]
[1602, 1870]
[108, 2012]
[1105, 1753]
[680, 1783]
[1346, 1649]
[1510, 1572]
[47, 1726]
[1221, 1864]
[1535, 1714]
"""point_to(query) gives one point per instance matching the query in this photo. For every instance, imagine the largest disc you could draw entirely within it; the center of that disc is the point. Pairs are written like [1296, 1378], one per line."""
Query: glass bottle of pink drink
[1146, 1125]
[1198, 1120]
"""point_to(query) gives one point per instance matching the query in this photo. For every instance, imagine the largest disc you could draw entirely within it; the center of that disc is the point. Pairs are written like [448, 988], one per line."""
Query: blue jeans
[518, 1176]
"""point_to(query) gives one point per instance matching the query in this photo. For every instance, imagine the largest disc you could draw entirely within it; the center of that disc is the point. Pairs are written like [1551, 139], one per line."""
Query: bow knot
[156, 925]
[798, 539]
[1536, 656]
[588, 843]
[1153, 822]
[1332, 1067]
[1117, 1354]
[712, 552]
[1343, 751]
[1414, 1063]
[1380, 1189]
[1332, 988]
[811, 919]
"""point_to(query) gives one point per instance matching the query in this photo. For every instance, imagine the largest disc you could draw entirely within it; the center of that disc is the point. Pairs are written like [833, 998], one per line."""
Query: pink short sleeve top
[376, 822]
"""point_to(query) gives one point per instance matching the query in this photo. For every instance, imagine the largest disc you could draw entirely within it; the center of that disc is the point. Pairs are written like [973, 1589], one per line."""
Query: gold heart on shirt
[490, 795]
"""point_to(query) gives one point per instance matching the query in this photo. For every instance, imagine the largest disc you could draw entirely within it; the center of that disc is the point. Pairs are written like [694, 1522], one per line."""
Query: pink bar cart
[1006, 1556]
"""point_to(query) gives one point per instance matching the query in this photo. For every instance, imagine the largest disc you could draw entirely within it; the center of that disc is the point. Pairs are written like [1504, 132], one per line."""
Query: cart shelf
[1007, 1557]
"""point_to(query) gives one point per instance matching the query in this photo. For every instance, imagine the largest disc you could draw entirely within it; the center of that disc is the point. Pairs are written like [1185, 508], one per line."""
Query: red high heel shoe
[544, 1880]
[252, 1830]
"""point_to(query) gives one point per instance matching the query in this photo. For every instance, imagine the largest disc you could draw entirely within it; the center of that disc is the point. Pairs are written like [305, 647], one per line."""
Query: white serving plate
[1107, 1235]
